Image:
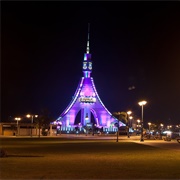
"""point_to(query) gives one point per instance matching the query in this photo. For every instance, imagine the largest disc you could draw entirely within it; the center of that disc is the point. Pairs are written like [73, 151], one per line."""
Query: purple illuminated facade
[86, 107]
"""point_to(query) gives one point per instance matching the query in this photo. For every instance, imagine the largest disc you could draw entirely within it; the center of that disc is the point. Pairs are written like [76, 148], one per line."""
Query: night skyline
[132, 44]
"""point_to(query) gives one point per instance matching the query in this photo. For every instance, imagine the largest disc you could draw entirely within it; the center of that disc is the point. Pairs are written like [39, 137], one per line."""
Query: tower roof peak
[87, 48]
[87, 63]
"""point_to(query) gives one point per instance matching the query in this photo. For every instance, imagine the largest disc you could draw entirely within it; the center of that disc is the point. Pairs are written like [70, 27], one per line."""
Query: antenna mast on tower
[88, 49]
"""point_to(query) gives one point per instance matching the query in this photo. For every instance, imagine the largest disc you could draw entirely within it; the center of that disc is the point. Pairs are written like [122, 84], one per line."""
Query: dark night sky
[132, 44]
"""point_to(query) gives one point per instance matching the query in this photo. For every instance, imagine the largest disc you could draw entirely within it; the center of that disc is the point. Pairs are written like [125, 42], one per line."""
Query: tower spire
[87, 63]
[88, 49]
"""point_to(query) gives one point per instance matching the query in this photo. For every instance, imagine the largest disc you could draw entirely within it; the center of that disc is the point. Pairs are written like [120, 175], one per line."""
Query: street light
[138, 121]
[32, 117]
[60, 124]
[117, 125]
[128, 113]
[17, 119]
[161, 129]
[142, 103]
[130, 124]
[149, 126]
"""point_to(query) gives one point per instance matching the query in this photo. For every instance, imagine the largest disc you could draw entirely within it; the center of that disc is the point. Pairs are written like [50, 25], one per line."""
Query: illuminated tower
[86, 107]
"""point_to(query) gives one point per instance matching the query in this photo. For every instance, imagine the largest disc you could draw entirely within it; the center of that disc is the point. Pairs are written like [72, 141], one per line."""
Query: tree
[123, 117]
[43, 121]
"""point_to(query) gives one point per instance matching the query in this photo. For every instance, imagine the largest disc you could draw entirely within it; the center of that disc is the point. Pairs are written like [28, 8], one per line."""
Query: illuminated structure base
[87, 109]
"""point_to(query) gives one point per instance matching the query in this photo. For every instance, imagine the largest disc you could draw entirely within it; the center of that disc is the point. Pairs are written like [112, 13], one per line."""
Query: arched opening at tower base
[79, 117]
[82, 125]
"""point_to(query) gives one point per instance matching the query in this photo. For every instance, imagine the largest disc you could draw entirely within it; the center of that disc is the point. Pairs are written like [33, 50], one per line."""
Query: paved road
[173, 144]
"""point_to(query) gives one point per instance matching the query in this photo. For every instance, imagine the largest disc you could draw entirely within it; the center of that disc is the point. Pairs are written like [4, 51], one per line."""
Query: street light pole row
[17, 119]
[32, 118]
[128, 121]
[28, 116]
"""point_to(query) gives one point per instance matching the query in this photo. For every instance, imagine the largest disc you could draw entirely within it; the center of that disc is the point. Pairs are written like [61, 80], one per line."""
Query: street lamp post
[117, 139]
[60, 124]
[17, 119]
[138, 121]
[161, 128]
[32, 118]
[128, 122]
[142, 103]
[131, 117]
[149, 126]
